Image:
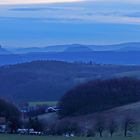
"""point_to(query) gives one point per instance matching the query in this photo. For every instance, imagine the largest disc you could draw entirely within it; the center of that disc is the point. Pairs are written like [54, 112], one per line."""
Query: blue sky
[88, 22]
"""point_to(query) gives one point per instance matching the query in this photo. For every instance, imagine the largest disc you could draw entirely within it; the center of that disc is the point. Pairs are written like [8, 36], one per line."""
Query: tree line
[11, 114]
[99, 127]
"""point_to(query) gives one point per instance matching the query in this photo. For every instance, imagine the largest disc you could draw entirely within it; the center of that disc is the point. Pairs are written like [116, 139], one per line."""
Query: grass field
[17, 137]
[133, 74]
[49, 103]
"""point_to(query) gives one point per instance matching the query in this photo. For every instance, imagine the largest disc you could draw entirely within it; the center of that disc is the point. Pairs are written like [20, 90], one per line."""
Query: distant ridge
[122, 54]
[130, 46]
[3, 51]
[78, 48]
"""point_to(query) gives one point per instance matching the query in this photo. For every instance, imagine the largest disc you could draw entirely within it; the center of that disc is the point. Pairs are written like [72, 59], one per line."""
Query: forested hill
[49, 80]
[102, 57]
[99, 95]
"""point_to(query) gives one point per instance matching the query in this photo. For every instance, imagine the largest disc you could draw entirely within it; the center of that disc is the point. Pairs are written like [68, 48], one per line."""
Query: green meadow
[49, 103]
[18, 137]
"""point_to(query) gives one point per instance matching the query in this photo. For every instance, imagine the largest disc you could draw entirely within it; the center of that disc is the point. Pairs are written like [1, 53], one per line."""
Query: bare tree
[128, 125]
[112, 127]
[100, 125]
[67, 126]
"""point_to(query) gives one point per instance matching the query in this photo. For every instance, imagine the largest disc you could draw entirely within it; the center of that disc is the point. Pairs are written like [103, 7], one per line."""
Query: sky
[39, 23]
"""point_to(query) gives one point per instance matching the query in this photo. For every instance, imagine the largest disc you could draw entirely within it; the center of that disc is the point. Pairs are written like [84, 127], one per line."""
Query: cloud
[117, 1]
[5, 2]
[90, 11]
[34, 9]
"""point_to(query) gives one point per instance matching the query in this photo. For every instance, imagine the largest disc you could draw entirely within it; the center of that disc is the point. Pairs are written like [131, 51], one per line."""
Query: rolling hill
[99, 57]
[99, 95]
[49, 80]
[117, 113]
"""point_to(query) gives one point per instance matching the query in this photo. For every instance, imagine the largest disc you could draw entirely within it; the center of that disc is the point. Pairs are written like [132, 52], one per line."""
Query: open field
[49, 103]
[17, 137]
[133, 74]
[118, 113]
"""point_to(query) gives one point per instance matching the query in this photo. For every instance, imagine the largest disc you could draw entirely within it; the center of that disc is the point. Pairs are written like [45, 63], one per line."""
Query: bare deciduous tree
[112, 127]
[128, 125]
[100, 125]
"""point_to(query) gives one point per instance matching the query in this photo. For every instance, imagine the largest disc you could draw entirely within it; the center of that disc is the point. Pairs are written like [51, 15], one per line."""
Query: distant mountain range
[130, 49]
[127, 53]
[4, 51]
[78, 47]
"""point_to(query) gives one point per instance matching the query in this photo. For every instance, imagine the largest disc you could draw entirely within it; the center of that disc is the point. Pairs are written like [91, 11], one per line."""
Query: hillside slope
[49, 80]
[118, 114]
